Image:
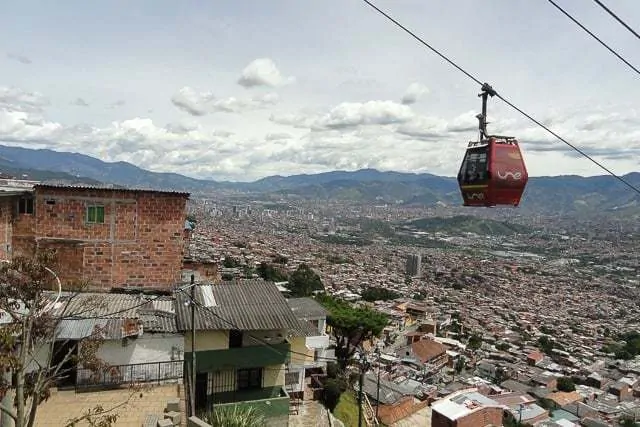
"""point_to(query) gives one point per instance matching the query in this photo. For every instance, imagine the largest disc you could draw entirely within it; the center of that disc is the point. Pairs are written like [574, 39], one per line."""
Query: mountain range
[557, 194]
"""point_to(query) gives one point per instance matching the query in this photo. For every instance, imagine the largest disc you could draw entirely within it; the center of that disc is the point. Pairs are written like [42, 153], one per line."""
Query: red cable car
[492, 172]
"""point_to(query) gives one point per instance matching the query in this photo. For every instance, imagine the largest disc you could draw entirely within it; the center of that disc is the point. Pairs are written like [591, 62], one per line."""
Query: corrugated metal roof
[307, 308]
[158, 322]
[110, 188]
[252, 304]
[86, 310]
[77, 329]
[100, 305]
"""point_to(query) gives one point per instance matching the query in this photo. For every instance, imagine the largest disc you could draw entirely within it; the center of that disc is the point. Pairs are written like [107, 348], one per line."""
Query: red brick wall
[6, 213]
[390, 414]
[479, 418]
[140, 242]
[22, 232]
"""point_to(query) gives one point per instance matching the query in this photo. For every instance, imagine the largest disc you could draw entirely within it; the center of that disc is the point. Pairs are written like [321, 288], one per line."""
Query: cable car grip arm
[487, 91]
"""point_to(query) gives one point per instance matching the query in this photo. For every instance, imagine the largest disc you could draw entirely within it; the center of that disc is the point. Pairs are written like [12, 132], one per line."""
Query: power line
[624, 24]
[233, 326]
[506, 101]
[594, 36]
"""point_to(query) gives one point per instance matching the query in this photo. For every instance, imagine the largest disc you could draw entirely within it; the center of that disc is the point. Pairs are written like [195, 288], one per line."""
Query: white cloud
[14, 99]
[277, 136]
[201, 103]
[378, 134]
[414, 92]
[348, 115]
[263, 72]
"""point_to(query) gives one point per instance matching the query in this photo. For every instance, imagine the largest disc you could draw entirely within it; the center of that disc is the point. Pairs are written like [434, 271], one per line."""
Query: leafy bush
[331, 394]
[234, 416]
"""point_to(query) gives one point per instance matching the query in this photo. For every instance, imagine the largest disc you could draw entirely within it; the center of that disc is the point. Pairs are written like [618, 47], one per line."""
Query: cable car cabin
[492, 173]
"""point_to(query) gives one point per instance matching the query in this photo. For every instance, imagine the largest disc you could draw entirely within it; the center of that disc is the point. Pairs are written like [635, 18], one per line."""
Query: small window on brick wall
[95, 214]
[25, 205]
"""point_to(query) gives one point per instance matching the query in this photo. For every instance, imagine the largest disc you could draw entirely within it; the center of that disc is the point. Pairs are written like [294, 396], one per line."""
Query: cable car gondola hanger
[493, 172]
[505, 100]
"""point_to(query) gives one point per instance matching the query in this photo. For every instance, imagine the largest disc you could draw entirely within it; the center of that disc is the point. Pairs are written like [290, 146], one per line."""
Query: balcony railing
[117, 375]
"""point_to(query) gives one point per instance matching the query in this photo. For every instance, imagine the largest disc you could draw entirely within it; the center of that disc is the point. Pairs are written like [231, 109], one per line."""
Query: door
[201, 391]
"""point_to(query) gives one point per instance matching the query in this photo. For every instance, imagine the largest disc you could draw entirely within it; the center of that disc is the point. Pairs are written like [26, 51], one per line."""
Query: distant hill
[559, 194]
[80, 165]
[468, 224]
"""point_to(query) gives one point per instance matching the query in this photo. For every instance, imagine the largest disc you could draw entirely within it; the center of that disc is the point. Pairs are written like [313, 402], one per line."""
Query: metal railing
[117, 375]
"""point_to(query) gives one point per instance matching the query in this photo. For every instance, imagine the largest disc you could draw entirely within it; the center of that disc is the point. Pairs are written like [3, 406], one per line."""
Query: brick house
[429, 353]
[109, 237]
[467, 408]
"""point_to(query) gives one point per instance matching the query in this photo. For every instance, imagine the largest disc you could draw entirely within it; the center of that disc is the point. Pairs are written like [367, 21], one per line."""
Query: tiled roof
[427, 349]
[253, 304]
[108, 187]
[307, 308]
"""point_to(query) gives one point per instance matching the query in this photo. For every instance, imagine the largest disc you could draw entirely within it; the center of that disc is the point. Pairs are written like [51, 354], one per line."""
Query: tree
[269, 272]
[331, 392]
[280, 259]
[29, 327]
[230, 262]
[475, 342]
[566, 384]
[304, 281]
[546, 344]
[350, 326]
[379, 294]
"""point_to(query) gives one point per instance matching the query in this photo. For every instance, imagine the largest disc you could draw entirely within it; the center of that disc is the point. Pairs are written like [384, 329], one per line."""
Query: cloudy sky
[243, 89]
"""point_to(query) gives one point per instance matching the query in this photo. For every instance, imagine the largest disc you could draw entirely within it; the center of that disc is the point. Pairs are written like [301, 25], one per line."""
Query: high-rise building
[414, 265]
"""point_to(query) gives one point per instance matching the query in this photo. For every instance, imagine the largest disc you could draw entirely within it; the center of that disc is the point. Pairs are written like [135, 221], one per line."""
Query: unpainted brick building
[105, 236]
[467, 408]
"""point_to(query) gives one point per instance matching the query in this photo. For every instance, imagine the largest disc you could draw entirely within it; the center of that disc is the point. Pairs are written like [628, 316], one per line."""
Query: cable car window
[475, 167]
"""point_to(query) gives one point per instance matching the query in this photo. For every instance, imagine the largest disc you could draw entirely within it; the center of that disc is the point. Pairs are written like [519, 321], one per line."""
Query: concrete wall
[219, 340]
[147, 349]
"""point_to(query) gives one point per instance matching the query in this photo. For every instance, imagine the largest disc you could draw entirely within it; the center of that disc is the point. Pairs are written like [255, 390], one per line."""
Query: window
[95, 214]
[475, 166]
[25, 205]
[235, 338]
[249, 378]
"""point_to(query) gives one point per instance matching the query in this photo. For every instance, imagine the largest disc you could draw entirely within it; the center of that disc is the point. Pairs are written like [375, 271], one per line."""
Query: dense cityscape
[551, 288]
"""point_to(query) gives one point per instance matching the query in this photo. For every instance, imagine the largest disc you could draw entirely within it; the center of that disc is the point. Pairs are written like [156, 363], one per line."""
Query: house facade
[108, 237]
[139, 341]
[310, 348]
[243, 331]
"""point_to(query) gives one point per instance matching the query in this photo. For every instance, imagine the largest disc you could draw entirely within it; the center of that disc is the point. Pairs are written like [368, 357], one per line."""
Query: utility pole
[363, 369]
[193, 345]
[378, 386]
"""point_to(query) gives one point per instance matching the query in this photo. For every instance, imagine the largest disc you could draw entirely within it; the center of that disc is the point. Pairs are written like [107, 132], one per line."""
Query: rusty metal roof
[109, 188]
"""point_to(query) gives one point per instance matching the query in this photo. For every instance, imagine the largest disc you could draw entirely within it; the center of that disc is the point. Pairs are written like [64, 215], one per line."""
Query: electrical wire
[610, 12]
[233, 326]
[575, 21]
[506, 101]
